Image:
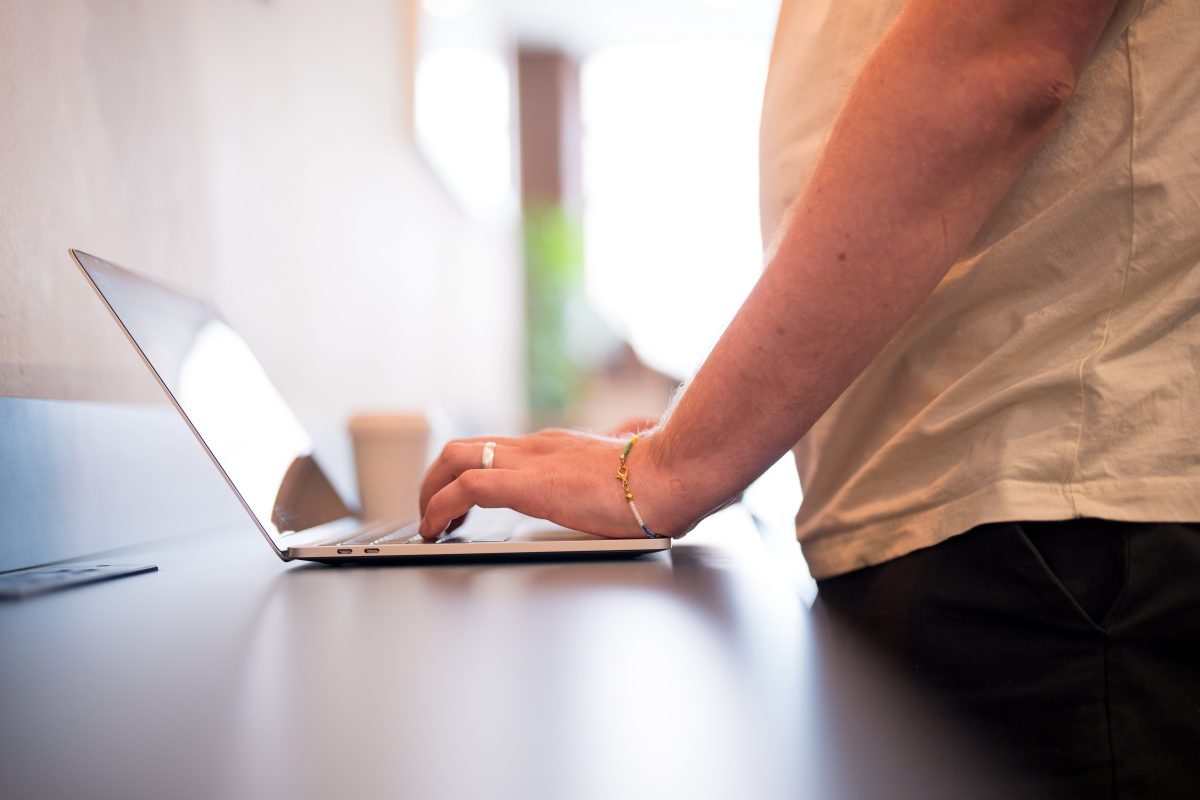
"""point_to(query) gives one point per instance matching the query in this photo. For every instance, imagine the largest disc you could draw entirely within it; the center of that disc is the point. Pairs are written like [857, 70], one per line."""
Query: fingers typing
[490, 488]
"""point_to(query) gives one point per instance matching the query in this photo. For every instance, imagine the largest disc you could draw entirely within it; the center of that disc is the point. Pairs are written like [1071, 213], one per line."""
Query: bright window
[670, 162]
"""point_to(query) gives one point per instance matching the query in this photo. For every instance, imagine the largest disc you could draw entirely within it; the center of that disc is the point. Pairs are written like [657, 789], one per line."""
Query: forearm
[944, 117]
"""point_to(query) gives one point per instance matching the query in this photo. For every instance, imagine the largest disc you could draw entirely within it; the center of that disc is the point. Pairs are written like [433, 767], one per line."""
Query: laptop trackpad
[503, 525]
[537, 530]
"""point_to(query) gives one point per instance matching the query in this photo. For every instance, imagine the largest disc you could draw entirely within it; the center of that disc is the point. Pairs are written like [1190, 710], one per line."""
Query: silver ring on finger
[489, 455]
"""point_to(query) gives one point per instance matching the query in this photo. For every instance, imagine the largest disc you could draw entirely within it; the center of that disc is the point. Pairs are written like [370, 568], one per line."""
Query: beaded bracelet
[623, 477]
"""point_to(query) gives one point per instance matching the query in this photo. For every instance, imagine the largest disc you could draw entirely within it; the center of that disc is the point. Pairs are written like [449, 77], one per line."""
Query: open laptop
[266, 456]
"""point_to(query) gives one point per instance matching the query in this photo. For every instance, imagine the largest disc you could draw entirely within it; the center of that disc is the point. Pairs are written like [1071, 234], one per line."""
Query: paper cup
[390, 455]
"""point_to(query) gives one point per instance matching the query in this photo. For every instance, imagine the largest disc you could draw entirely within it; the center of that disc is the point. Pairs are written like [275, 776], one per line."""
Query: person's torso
[1053, 372]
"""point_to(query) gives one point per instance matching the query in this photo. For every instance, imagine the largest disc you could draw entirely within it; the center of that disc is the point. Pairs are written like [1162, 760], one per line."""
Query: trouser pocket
[1086, 558]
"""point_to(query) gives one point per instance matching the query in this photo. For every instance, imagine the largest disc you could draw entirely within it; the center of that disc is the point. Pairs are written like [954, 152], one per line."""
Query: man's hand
[566, 477]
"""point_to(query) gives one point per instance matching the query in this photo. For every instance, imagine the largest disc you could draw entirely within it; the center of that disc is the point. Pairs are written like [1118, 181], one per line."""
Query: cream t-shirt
[1055, 371]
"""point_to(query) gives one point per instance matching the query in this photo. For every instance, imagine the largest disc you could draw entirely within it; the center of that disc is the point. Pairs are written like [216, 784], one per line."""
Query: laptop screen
[224, 394]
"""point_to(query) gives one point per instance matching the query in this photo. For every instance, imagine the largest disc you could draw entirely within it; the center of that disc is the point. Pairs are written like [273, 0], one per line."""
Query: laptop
[266, 456]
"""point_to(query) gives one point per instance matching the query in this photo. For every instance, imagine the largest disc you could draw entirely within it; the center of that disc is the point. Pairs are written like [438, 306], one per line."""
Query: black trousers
[1072, 646]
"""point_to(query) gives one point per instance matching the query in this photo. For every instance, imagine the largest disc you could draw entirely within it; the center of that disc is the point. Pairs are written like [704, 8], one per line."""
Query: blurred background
[506, 213]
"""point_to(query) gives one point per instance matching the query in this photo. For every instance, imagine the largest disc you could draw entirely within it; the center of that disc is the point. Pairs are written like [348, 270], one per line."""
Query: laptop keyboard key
[406, 535]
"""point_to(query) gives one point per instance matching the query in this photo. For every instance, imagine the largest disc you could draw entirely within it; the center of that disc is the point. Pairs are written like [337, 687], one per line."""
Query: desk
[227, 674]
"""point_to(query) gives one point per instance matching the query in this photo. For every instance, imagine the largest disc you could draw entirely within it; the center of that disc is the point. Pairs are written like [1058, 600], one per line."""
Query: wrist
[669, 501]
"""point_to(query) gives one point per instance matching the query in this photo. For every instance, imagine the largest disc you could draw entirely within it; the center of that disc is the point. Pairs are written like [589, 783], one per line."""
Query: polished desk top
[227, 674]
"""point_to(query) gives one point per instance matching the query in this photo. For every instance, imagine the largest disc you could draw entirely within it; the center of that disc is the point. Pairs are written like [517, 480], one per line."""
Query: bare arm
[947, 112]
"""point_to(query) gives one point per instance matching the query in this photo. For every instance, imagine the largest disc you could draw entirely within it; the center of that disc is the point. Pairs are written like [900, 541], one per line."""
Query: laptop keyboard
[386, 534]
[491, 526]
[406, 535]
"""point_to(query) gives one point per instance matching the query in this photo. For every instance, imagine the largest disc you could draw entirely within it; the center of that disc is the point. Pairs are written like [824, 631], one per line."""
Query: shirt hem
[1142, 500]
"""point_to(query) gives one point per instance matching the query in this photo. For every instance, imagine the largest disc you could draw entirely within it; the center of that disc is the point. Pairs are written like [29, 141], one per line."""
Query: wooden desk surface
[228, 674]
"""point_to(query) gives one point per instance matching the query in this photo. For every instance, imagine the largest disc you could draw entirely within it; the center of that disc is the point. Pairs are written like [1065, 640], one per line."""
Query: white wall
[253, 151]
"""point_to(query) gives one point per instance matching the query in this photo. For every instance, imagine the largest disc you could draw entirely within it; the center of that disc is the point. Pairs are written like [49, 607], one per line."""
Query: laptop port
[345, 551]
[371, 550]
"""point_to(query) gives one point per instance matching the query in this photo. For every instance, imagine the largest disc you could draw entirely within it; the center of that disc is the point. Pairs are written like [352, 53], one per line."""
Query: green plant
[553, 284]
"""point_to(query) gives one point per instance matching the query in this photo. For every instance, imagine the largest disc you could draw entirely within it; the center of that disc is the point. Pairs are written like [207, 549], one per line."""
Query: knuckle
[472, 481]
[447, 452]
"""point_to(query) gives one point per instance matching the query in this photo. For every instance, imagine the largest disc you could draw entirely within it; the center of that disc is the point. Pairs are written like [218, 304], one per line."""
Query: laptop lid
[224, 395]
